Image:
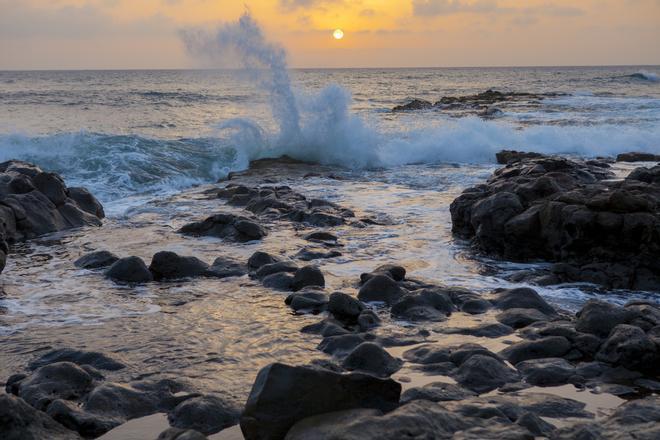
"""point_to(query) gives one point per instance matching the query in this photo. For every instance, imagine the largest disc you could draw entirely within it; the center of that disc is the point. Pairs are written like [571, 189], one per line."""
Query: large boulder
[20, 421]
[481, 373]
[169, 265]
[629, 347]
[283, 395]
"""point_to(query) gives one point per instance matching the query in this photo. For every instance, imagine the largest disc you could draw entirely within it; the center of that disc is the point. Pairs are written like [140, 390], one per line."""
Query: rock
[629, 347]
[259, 259]
[324, 237]
[19, 421]
[96, 260]
[506, 156]
[415, 104]
[367, 320]
[277, 267]
[70, 415]
[637, 157]
[397, 273]
[278, 281]
[60, 380]
[427, 304]
[206, 414]
[380, 288]
[309, 254]
[535, 425]
[308, 276]
[475, 306]
[373, 359]
[340, 345]
[129, 270]
[283, 395]
[551, 346]
[344, 307]
[599, 317]
[523, 298]
[494, 330]
[519, 318]
[229, 226]
[86, 201]
[92, 358]
[481, 373]
[13, 382]
[225, 267]
[546, 372]
[169, 265]
[181, 434]
[437, 392]
[325, 328]
[311, 300]
[326, 426]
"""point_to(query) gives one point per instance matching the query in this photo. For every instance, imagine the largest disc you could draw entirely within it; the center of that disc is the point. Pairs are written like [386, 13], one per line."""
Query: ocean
[135, 134]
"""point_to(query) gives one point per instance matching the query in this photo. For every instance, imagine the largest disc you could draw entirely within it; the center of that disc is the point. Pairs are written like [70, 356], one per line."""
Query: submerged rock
[79, 357]
[96, 260]
[283, 395]
[227, 226]
[129, 270]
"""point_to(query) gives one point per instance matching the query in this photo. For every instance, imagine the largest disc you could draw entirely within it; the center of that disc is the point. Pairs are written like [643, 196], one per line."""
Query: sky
[143, 34]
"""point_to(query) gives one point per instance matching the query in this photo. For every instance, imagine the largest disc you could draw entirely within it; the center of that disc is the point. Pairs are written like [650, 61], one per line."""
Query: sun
[338, 34]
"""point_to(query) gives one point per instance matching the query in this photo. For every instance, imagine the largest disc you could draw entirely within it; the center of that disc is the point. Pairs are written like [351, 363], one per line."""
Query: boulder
[373, 359]
[397, 273]
[206, 414]
[95, 359]
[519, 318]
[523, 298]
[437, 392]
[129, 270]
[506, 156]
[181, 434]
[259, 259]
[546, 372]
[481, 373]
[599, 317]
[551, 346]
[426, 304]
[344, 307]
[96, 260]
[20, 421]
[380, 288]
[308, 276]
[278, 281]
[229, 226]
[89, 425]
[169, 265]
[283, 395]
[629, 347]
[637, 157]
[277, 267]
[59, 380]
[312, 300]
[223, 267]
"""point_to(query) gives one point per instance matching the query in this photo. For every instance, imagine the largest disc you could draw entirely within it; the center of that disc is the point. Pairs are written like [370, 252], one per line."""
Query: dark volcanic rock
[34, 203]
[340, 345]
[638, 157]
[169, 265]
[96, 260]
[372, 358]
[437, 392]
[546, 372]
[259, 259]
[60, 380]
[283, 395]
[87, 424]
[604, 232]
[277, 267]
[600, 317]
[344, 307]
[223, 267]
[523, 298]
[278, 281]
[518, 318]
[95, 359]
[551, 346]
[481, 373]
[380, 288]
[415, 104]
[227, 226]
[129, 270]
[311, 300]
[505, 156]
[19, 421]
[309, 254]
[397, 273]
[629, 347]
[181, 434]
[308, 276]
[426, 304]
[206, 414]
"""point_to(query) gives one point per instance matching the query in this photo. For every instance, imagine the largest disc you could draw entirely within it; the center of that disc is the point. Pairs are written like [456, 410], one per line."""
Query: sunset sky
[105, 34]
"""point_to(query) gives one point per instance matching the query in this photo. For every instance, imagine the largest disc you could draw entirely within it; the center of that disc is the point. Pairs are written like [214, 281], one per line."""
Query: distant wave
[645, 76]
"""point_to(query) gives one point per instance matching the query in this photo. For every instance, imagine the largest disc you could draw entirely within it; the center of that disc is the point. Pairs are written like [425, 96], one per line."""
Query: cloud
[368, 13]
[522, 15]
[431, 8]
[290, 5]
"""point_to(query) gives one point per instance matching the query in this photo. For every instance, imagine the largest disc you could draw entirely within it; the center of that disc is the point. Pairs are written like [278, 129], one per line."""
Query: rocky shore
[398, 356]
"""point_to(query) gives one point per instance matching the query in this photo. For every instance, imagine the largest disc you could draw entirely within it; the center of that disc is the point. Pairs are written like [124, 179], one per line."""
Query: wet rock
[481, 373]
[599, 317]
[551, 346]
[494, 330]
[13, 382]
[86, 201]
[427, 304]
[415, 104]
[397, 273]
[344, 307]
[229, 226]
[506, 156]
[373, 359]
[223, 267]
[367, 320]
[60, 380]
[340, 345]
[259, 259]
[206, 414]
[169, 265]
[96, 260]
[129, 270]
[325, 328]
[327, 238]
[380, 288]
[475, 306]
[637, 157]
[277, 267]
[546, 372]
[278, 281]
[309, 254]
[308, 276]
[646, 175]
[70, 415]
[181, 434]
[325, 426]
[523, 298]
[19, 421]
[311, 300]
[519, 318]
[629, 347]
[437, 392]
[95, 359]
[535, 425]
[283, 395]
